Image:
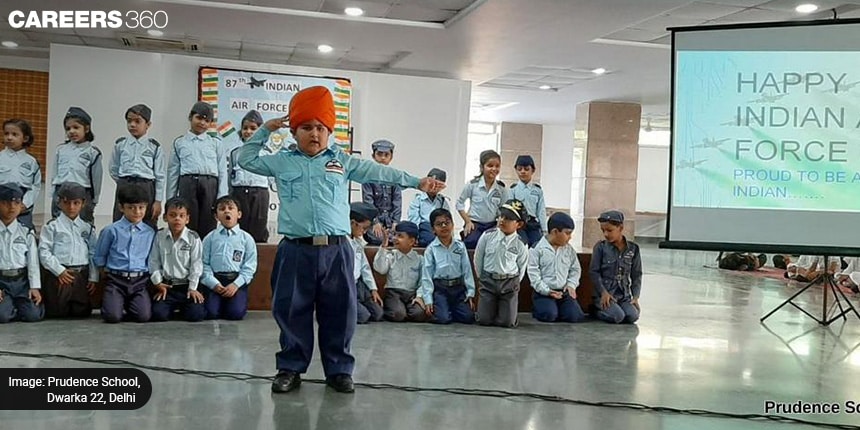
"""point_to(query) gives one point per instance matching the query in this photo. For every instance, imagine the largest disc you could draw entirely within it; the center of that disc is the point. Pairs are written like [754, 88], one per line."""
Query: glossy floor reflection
[698, 345]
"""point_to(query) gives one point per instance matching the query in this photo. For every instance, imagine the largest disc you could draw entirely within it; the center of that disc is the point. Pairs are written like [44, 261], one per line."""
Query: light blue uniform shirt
[124, 246]
[531, 195]
[80, 163]
[501, 254]
[197, 155]
[229, 250]
[18, 250]
[240, 177]
[65, 242]
[19, 167]
[361, 268]
[403, 270]
[483, 203]
[553, 269]
[422, 205]
[441, 262]
[314, 191]
[141, 158]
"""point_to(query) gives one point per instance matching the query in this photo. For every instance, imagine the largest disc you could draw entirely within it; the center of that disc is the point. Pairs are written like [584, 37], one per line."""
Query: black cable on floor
[239, 376]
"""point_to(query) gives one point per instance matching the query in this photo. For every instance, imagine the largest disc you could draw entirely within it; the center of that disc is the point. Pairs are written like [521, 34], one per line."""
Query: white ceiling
[512, 46]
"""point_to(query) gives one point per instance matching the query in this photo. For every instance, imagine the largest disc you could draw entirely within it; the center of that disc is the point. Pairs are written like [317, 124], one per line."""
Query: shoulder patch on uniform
[50, 221]
[120, 140]
[514, 186]
[537, 185]
[98, 151]
[177, 138]
[154, 142]
[475, 181]
[500, 183]
[193, 234]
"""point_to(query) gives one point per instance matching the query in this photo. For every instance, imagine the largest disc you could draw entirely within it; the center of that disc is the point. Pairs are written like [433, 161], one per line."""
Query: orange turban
[312, 103]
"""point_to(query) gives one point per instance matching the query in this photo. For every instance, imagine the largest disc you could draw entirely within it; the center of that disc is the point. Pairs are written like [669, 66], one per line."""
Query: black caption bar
[74, 389]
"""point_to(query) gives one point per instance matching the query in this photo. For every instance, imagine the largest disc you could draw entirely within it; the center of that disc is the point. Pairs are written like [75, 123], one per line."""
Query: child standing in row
[369, 302]
[387, 198]
[139, 159]
[123, 250]
[423, 205]
[79, 162]
[447, 284]
[19, 167]
[250, 189]
[616, 271]
[501, 259]
[229, 264]
[403, 266]
[20, 296]
[175, 267]
[531, 195]
[197, 171]
[485, 194]
[66, 247]
[554, 273]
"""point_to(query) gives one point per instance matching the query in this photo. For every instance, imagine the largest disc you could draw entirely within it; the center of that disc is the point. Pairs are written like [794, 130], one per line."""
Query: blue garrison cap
[560, 221]
[407, 227]
[439, 174]
[611, 216]
[363, 210]
[254, 117]
[203, 109]
[76, 112]
[382, 145]
[10, 192]
[525, 160]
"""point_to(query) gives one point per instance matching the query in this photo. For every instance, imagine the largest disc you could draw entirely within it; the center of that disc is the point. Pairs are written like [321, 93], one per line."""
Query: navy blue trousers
[531, 233]
[177, 299]
[228, 308]
[471, 241]
[16, 304]
[309, 278]
[450, 305]
[548, 309]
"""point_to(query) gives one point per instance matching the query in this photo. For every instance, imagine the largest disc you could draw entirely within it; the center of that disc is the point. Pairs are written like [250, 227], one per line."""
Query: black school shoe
[286, 381]
[341, 383]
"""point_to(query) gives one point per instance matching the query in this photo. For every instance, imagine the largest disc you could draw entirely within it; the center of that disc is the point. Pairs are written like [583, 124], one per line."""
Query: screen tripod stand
[828, 286]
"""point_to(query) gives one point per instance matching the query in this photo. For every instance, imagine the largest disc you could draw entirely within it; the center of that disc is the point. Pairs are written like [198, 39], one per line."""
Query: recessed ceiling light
[155, 33]
[353, 11]
[9, 44]
[806, 8]
[599, 71]
[325, 49]
[545, 87]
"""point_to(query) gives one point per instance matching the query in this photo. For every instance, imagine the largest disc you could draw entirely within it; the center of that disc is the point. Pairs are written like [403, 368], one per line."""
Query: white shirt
[179, 259]
[18, 250]
[501, 254]
[552, 269]
[65, 242]
[403, 270]
[361, 268]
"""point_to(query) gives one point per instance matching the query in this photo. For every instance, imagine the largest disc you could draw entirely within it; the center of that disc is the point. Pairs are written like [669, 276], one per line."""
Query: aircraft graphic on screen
[735, 121]
[689, 164]
[769, 98]
[843, 87]
[710, 143]
[256, 83]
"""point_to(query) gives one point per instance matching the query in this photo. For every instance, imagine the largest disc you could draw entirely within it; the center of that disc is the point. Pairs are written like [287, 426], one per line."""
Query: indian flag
[226, 129]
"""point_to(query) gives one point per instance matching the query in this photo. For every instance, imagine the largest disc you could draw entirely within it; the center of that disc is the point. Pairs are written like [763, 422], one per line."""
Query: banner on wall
[235, 92]
[232, 93]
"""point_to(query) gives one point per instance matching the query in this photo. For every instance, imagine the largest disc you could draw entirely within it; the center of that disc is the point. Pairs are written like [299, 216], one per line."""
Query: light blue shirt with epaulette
[197, 154]
[445, 262]
[140, 158]
[80, 163]
[423, 205]
[501, 254]
[483, 202]
[18, 250]
[531, 195]
[240, 177]
[361, 268]
[65, 242]
[553, 269]
[21, 168]
[229, 250]
[314, 191]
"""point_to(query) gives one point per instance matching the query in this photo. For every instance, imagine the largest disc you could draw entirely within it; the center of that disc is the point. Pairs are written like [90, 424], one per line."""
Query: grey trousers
[367, 310]
[498, 302]
[397, 306]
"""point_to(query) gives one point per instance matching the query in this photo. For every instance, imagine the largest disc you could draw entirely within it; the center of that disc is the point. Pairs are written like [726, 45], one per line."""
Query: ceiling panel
[704, 11]
[661, 23]
[102, 42]
[753, 15]
[418, 13]
[635, 34]
[789, 5]
[371, 9]
[439, 4]
[308, 5]
[68, 39]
